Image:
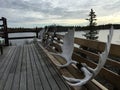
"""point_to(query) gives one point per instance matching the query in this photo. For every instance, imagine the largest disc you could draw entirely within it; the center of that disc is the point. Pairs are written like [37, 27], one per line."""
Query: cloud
[44, 12]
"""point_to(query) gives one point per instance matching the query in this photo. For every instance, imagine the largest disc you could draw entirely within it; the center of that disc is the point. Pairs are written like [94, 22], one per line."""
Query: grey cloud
[16, 10]
[107, 7]
[115, 6]
[43, 7]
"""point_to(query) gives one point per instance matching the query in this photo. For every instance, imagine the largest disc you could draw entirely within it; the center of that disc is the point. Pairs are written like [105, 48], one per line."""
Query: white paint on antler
[67, 48]
[89, 72]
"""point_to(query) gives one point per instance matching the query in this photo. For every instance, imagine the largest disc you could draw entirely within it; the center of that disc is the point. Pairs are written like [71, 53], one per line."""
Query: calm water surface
[20, 41]
[102, 36]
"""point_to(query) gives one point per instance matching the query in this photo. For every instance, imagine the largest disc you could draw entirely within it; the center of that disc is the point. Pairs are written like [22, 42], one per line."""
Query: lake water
[20, 41]
[102, 36]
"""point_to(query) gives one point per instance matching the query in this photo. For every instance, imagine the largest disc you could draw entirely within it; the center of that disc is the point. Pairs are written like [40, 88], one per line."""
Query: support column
[5, 31]
[36, 34]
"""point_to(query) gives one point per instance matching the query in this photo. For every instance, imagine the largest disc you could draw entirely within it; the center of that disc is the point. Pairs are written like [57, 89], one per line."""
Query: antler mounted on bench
[67, 50]
[44, 36]
[103, 56]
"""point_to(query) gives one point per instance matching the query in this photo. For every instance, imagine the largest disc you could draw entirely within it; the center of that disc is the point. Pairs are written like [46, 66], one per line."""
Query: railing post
[5, 31]
[1, 49]
[36, 34]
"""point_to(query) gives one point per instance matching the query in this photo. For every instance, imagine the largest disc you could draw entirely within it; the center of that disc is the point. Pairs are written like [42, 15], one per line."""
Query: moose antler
[67, 48]
[89, 72]
[103, 56]
[41, 34]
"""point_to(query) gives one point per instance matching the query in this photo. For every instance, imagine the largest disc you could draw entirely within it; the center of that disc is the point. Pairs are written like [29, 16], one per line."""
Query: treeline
[81, 28]
[59, 28]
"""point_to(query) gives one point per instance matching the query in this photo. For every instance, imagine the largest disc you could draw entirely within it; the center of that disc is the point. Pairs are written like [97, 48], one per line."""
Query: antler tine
[109, 38]
[71, 79]
[65, 65]
[79, 82]
[103, 56]
[67, 48]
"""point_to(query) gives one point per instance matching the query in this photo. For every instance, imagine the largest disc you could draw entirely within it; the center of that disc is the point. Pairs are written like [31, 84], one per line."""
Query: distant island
[60, 28]
[82, 28]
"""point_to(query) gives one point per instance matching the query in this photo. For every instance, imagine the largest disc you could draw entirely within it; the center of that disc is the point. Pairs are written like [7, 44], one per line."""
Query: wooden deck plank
[9, 81]
[4, 62]
[30, 82]
[5, 51]
[23, 68]
[16, 81]
[36, 77]
[5, 57]
[55, 74]
[23, 71]
[42, 76]
[50, 78]
[6, 69]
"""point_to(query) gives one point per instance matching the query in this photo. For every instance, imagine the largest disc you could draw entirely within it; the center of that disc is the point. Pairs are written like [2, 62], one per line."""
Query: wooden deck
[27, 68]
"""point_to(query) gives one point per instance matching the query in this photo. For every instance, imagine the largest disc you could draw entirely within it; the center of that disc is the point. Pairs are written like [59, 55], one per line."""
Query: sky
[32, 13]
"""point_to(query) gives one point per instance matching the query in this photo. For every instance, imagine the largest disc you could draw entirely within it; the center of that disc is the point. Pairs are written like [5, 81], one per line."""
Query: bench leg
[1, 49]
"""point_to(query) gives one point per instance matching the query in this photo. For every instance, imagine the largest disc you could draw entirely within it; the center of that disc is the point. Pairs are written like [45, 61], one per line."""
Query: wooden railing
[35, 30]
[87, 52]
[3, 31]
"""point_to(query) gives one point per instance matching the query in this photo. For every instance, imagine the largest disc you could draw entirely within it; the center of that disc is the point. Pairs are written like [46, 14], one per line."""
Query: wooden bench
[86, 52]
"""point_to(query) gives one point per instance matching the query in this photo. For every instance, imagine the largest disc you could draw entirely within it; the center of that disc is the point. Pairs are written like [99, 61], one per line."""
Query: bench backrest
[87, 52]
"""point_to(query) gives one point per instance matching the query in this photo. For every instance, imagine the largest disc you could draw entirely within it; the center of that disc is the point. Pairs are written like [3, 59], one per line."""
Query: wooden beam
[59, 36]
[22, 37]
[95, 57]
[2, 35]
[23, 31]
[1, 25]
[114, 50]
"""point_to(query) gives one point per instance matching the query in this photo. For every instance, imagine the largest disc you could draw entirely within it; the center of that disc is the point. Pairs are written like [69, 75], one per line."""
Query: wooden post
[5, 31]
[1, 49]
[36, 33]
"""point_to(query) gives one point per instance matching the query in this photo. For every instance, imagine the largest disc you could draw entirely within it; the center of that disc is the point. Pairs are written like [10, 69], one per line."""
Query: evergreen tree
[91, 34]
